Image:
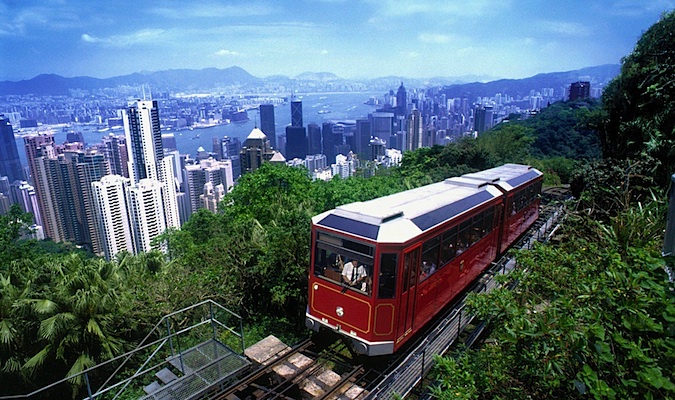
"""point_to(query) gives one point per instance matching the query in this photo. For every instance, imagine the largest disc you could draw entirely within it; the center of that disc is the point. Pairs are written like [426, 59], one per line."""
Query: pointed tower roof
[278, 157]
[256, 134]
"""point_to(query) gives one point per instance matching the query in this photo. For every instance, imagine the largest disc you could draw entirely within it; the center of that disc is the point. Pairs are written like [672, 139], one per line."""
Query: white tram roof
[399, 217]
[508, 176]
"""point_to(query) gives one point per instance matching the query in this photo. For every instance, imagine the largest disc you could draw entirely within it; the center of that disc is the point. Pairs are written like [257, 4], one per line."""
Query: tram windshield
[344, 261]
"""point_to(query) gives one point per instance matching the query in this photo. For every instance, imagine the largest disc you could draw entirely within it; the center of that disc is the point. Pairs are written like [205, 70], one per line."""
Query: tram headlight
[339, 311]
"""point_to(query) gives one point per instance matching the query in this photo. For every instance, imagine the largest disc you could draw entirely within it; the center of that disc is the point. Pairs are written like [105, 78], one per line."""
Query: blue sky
[353, 39]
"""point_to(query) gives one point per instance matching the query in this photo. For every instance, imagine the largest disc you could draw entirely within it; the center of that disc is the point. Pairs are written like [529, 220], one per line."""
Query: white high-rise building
[143, 139]
[207, 171]
[148, 165]
[166, 176]
[146, 213]
[112, 214]
[212, 196]
[343, 166]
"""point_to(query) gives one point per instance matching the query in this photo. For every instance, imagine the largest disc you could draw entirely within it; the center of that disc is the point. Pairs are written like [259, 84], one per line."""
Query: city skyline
[353, 39]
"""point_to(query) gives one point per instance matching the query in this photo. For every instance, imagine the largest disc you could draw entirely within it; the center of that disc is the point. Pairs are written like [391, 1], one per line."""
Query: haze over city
[353, 39]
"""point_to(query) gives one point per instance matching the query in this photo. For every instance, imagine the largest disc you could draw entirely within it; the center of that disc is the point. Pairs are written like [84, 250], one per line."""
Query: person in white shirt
[355, 275]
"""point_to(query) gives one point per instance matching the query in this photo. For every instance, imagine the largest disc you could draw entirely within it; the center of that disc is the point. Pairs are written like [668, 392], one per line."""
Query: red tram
[383, 268]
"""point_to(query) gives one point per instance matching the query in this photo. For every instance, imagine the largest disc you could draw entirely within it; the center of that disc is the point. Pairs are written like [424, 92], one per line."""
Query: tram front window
[343, 261]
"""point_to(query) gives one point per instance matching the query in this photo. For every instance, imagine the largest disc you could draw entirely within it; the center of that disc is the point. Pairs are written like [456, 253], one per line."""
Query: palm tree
[81, 320]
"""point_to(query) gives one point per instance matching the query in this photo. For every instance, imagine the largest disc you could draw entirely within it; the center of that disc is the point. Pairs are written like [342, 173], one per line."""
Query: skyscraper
[580, 90]
[383, 125]
[207, 171]
[231, 148]
[91, 167]
[296, 113]
[267, 125]
[296, 142]
[65, 182]
[327, 142]
[414, 131]
[401, 101]
[255, 151]
[115, 150]
[38, 147]
[10, 165]
[483, 118]
[144, 139]
[146, 155]
[145, 213]
[362, 139]
[314, 139]
[112, 214]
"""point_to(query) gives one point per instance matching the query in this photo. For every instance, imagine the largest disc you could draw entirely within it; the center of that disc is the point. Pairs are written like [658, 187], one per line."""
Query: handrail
[141, 346]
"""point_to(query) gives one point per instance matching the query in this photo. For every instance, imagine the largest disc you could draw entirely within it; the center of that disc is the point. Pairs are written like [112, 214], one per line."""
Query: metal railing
[202, 321]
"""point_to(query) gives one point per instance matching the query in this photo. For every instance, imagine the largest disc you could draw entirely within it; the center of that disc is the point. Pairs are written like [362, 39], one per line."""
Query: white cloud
[631, 8]
[225, 52]
[324, 51]
[142, 36]
[90, 39]
[181, 11]
[19, 21]
[397, 8]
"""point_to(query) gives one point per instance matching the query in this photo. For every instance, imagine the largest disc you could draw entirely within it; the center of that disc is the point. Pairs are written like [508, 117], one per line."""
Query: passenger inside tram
[354, 274]
[428, 268]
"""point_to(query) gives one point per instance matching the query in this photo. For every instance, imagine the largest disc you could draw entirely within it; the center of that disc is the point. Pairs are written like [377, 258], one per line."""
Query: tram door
[406, 314]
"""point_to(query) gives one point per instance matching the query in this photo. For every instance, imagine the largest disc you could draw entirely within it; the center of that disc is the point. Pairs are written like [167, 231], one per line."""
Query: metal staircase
[187, 354]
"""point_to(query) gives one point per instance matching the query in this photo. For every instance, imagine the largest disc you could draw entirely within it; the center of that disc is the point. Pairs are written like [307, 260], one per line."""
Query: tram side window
[477, 231]
[387, 283]
[430, 253]
[524, 198]
[488, 221]
[464, 236]
[449, 245]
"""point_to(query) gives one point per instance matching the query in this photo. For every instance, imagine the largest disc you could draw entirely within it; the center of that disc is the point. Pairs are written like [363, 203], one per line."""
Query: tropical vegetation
[591, 316]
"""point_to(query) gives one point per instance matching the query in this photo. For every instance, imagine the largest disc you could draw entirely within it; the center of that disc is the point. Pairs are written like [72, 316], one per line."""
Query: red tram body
[381, 269]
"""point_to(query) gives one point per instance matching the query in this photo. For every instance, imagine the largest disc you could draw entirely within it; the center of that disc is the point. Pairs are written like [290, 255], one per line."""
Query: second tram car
[381, 269]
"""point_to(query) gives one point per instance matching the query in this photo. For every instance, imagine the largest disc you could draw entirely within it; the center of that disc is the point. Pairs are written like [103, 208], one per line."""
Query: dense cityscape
[120, 194]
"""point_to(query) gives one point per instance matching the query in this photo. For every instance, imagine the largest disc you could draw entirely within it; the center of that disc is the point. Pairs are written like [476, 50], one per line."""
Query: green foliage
[593, 316]
[427, 165]
[58, 316]
[639, 104]
[258, 195]
[564, 129]
[557, 170]
[13, 225]
[510, 143]
[608, 187]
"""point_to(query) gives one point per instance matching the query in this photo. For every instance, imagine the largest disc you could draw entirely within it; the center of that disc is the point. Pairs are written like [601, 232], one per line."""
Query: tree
[639, 104]
[13, 225]
[511, 143]
[593, 316]
[81, 318]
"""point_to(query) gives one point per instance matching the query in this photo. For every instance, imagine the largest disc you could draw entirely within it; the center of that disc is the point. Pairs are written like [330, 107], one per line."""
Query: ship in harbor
[238, 114]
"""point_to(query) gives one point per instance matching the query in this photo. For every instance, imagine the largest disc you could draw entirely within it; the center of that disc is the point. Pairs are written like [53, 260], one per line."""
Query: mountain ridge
[236, 77]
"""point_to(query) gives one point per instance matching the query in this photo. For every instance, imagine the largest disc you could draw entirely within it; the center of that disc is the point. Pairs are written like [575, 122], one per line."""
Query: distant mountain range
[598, 76]
[189, 80]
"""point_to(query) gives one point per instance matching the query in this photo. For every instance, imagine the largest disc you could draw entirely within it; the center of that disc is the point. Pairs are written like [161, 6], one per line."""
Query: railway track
[308, 370]
[322, 369]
